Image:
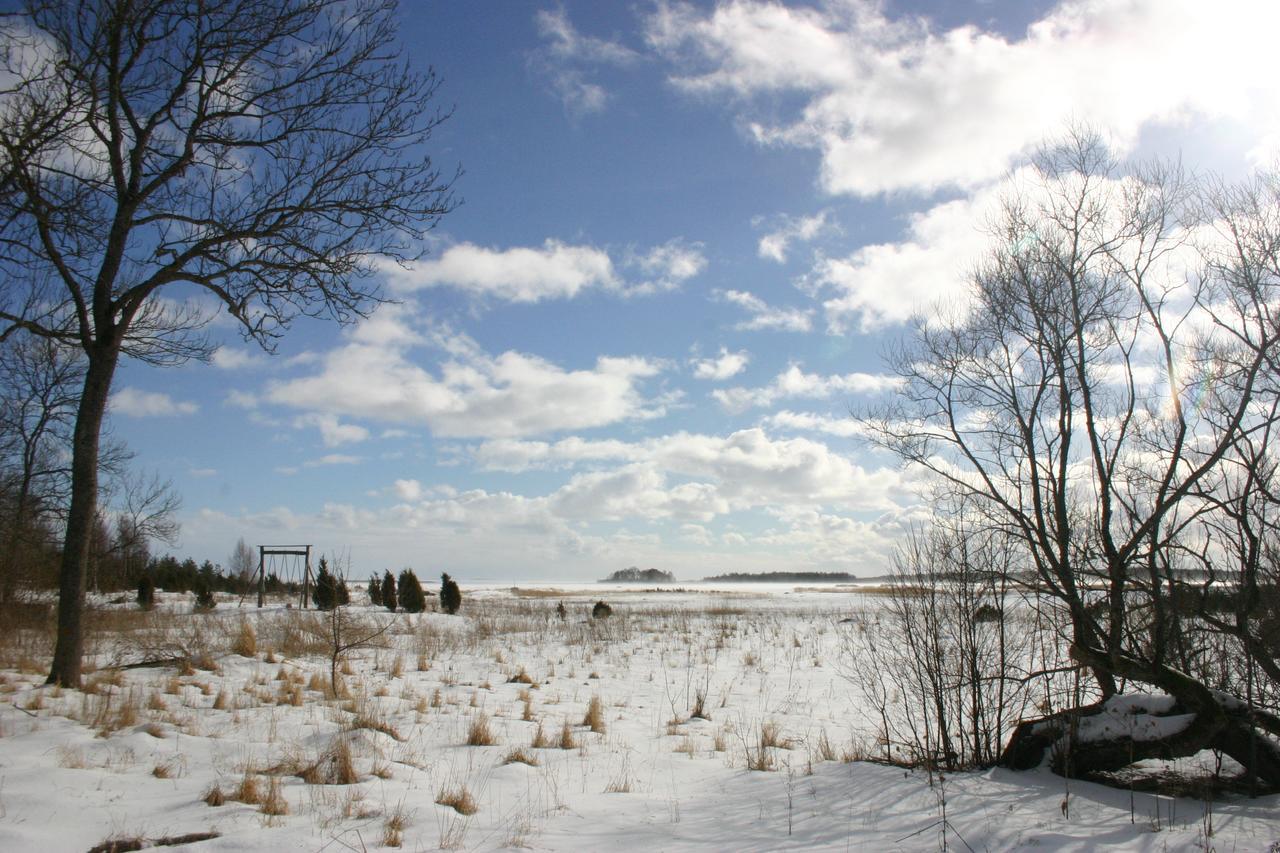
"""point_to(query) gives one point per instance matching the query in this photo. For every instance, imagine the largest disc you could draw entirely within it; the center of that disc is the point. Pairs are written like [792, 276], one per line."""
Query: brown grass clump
[566, 737]
[594, 718]
[334, 767]
[213, 795]
[274, 803]
[393, 828]
[245, 642]
[480, 732]
[527, 713]
[520, 755]
[249, 791]
[540, 740]
[521, 677]
[459, 799]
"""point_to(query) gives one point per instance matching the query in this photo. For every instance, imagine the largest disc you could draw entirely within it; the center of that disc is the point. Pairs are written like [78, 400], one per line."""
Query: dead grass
[520, 755]
[214, 796]
[393, 827]
[594, 718]
[248, 791]
[458, 798]
[567, 740]
[245, 642]
[540, 740]
[335, 766]
[480, 731]
[274, 803]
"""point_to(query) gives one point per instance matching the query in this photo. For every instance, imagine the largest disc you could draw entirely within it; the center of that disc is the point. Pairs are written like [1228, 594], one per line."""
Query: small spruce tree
[375, 591]
[325, 594]
[410, 593]
[204, 597]
[450, 595]
[146, 592]
[601, 611]
[344, 593]
[389, 599]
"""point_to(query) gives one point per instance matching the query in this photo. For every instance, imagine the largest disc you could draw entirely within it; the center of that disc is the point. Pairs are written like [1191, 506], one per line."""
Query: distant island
[783, 577]
[636, 575]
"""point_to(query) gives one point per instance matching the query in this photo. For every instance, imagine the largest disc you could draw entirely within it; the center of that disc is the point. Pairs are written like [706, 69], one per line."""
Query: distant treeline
[636, 575]
[783, 577]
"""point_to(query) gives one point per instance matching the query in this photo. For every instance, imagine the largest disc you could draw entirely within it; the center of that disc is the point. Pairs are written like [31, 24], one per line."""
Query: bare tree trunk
[80, 520]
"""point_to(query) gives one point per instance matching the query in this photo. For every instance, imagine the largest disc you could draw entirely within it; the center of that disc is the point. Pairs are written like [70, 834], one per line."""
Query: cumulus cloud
[234, 359]
[136, 403]
[667, 266]
[775, 245]
[794, 382]
[520, 274]
[379, 374]
[892, 104]
[553, 271]
[695, 476]
[724, 366]
[764, 316]
[332, 431]
[845, 427]
[886, 283]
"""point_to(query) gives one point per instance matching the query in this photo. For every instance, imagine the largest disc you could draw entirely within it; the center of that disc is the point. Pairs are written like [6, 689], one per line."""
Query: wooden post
[306, 581]
[262, 576]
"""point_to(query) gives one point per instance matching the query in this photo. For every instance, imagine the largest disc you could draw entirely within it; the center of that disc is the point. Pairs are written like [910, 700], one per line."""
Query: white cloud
[724, 366]
[554, 271]
[136, 403]
[775, 244]
[845, 427]
[892, 104]
[794, 382]
[566, 56]
[698, 477]
[226, 358]
[888, 283]
[668, 266]
[764, 316]
[333, 459]
[378, 375]
[332, 431]
[408, 490]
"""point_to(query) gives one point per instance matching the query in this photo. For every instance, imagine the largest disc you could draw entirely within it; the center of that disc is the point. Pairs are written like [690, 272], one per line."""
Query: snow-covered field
[596, 742]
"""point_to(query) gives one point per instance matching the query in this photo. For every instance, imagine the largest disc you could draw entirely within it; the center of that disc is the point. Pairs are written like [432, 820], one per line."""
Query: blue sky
[689, 232]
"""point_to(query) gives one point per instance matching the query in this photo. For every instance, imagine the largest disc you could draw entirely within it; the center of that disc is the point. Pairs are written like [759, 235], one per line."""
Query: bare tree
[243, 562]
[265, 152]
[1057, 406]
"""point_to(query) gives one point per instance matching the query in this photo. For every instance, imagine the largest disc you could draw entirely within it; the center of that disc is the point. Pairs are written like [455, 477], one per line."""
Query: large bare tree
[1064, 405]
[264, 152]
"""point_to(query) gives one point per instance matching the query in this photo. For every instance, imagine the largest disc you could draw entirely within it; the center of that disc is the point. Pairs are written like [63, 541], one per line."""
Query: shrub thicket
[450, 595]
[601, 611]
[410, 593]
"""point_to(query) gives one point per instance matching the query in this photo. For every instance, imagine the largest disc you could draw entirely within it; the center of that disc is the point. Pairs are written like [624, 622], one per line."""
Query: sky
[689, 233]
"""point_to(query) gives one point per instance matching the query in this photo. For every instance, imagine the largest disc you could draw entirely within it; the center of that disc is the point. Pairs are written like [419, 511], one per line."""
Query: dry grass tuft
[594, 718]
[540, 740]
[274, 802]
[480, 732]
[249, 791]
[520, 755]
[393, 827]
[213, 795]
[245, 642]
[335, 766]
[566, 737]
[459, 799]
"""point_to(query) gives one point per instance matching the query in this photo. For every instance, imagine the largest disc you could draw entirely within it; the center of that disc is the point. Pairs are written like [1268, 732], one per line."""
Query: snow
[71, 775]
[1134, 715]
